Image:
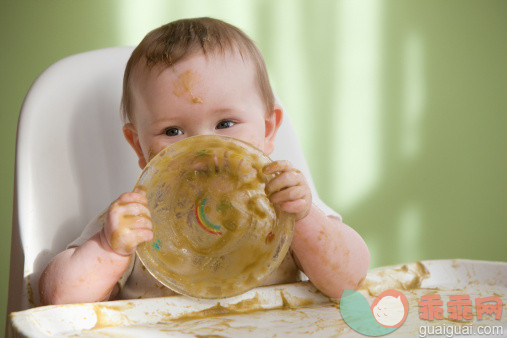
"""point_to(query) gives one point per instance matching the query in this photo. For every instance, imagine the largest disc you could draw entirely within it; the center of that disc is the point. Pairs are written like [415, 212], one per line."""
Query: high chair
[72, 161]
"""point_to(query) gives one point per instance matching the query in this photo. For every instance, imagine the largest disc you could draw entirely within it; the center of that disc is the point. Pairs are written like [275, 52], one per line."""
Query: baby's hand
[128, 223]
[289, 190]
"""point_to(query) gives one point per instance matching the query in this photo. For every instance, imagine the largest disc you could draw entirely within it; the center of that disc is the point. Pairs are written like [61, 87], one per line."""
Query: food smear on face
[184, 85]
[221, 234]
[151, 154]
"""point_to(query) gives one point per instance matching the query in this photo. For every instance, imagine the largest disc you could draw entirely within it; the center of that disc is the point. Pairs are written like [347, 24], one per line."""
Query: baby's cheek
[153, 149]
[255, 141]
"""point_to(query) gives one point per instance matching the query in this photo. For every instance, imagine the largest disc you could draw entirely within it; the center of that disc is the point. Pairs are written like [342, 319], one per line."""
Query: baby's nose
[201, 131]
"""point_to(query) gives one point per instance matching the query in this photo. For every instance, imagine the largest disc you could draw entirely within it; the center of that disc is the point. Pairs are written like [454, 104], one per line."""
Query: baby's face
[214, 95]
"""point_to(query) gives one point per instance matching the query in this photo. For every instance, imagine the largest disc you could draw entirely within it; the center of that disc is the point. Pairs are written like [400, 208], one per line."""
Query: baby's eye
[225, 124]
[173, 131]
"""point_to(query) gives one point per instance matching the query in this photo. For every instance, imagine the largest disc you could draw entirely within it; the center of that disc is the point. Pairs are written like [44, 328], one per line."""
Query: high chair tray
[296, 309]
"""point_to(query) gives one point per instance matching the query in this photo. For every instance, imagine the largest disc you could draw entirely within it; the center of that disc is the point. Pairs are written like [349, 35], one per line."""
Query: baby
[195, 77]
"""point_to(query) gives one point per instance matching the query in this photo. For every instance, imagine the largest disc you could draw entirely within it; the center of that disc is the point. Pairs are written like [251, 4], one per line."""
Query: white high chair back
[72, 161]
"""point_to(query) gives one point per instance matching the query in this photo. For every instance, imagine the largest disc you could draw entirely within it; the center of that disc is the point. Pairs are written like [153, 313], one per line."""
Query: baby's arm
[89, 273]
[331, 254]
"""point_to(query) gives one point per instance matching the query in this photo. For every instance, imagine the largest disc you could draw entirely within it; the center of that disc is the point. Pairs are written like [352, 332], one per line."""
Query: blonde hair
[179, 39]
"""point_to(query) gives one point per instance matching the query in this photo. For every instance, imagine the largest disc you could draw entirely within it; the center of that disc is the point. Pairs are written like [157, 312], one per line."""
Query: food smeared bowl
[216, 233]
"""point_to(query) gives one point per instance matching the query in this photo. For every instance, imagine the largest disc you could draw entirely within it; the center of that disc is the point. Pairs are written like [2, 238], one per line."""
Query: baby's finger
[125, 241]
[277, 166]
[135, 209]
[139, 236]
[117, 213]
[284, 180]
[135, 222]
[294, 207]
[131, 197]
[289, 194]
[139, 189]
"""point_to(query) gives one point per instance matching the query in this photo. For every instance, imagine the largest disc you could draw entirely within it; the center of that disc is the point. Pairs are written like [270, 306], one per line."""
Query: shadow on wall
[442, 166]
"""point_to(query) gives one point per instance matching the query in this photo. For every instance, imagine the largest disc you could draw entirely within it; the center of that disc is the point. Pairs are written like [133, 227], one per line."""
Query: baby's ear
[273, 122]
[132, 137]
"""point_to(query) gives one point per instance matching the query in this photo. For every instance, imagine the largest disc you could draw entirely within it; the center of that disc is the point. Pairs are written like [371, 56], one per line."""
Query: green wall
[400, 105]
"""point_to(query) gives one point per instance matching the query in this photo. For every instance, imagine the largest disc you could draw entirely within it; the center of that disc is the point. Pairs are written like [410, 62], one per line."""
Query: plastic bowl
[216, 233]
